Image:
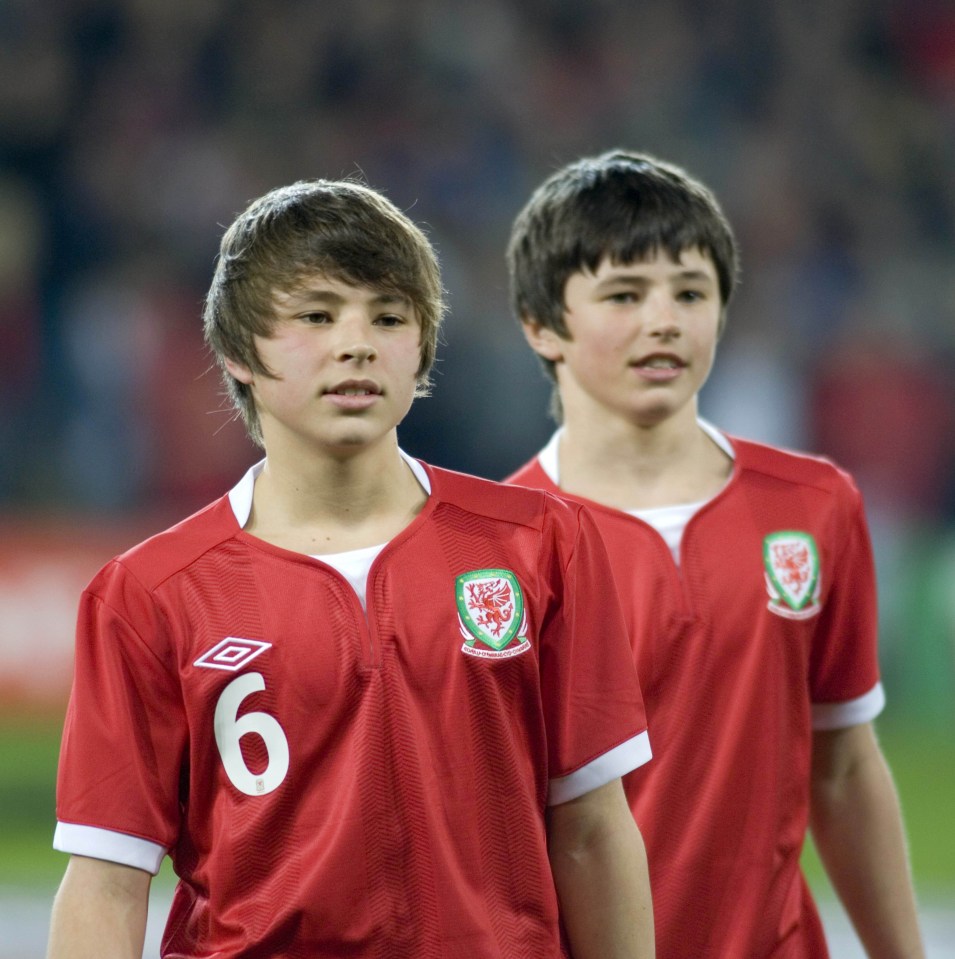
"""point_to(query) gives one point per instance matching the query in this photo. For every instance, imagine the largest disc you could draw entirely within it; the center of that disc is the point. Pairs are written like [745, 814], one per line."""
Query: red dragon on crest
[491, 604]
[792, 563]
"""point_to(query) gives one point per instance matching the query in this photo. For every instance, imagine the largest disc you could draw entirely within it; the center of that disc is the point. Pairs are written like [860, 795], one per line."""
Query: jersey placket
[370, 617]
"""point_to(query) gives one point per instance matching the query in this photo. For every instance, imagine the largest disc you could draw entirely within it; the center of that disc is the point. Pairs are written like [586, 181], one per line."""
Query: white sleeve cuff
[105, 844]
[605, 768]
[850, 713]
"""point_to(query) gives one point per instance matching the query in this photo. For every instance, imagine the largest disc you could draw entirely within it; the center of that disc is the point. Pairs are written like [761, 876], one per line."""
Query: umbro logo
[231, 654]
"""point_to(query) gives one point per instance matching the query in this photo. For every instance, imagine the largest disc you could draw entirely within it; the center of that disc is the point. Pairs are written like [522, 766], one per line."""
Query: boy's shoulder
[532, 474]
[156, 559]
[524, 505]
[789, 466]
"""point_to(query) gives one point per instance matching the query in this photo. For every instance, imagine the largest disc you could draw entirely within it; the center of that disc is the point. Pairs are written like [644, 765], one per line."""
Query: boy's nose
[664, 323]
[357, 350]
[353, 341]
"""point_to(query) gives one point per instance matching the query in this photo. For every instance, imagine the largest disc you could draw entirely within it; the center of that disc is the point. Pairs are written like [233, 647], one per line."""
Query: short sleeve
[844, 670]
[594, 712]
[124, 737]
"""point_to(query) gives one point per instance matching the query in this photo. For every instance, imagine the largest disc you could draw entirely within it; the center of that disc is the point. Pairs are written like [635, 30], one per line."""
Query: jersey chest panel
[317, 730]
[299, 626]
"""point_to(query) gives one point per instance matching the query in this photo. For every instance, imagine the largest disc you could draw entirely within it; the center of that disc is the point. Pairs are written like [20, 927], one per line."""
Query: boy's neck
[628, 466]
[332, 504]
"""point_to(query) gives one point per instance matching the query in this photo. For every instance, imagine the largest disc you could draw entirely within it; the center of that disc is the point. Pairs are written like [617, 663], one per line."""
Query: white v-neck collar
[549, 457]
[240, 496]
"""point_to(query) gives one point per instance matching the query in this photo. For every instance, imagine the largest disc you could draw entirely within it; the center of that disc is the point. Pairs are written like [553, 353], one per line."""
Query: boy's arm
[600, 871]
[857, 829]
[99, 911]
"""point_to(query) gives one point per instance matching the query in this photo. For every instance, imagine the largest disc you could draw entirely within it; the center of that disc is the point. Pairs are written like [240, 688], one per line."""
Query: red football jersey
[765, 631]
[332, 782]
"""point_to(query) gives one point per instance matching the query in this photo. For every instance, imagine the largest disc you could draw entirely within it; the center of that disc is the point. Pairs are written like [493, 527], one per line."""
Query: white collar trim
[240, 496]
[549, 457]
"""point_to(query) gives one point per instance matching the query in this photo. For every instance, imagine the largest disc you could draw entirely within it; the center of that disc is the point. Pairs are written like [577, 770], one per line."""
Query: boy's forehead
[316, 285]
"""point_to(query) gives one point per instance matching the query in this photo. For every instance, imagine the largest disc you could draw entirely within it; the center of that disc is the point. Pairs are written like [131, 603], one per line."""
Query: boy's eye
[624, 296]
[315, 319]
[691, 296]
[389, 319]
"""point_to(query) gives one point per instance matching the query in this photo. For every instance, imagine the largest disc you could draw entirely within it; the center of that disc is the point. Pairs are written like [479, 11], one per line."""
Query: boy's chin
[650, 416]
[352, 441]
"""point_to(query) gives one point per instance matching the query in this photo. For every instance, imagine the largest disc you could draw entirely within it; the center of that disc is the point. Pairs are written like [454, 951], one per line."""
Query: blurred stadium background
[132, 130]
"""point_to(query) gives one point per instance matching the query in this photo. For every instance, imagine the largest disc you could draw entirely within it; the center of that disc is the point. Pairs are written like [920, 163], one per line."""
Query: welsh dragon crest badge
[491, 614]
[791, 560]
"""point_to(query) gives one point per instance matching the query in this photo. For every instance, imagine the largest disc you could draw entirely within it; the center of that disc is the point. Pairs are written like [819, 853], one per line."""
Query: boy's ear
[238, 371]
[543, 340]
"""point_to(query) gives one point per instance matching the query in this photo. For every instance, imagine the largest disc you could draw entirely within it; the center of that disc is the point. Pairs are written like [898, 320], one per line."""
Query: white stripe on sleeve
[105, 844]
[850, 713]
[611, 765]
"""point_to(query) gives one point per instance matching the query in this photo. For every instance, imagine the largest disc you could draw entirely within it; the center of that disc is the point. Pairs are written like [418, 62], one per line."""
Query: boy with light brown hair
[367, 706]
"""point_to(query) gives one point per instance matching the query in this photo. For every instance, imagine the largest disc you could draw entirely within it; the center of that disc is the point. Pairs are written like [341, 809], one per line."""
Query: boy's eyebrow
[398, 298]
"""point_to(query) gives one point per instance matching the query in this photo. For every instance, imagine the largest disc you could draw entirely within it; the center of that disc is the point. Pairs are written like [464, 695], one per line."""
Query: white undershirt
[669, 521]
[353, 564]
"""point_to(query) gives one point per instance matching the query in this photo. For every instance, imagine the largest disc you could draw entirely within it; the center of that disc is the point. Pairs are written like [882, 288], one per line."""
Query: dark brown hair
[620, 206]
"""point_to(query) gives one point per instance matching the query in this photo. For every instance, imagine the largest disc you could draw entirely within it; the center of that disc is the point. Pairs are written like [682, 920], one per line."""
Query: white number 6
[230, 728]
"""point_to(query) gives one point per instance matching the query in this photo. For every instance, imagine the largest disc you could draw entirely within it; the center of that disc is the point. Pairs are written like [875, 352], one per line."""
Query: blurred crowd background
[132, 131]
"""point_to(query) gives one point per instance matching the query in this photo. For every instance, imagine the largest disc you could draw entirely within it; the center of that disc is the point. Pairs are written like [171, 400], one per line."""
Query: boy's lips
[659, 367]
[354, 388]
[353, 394]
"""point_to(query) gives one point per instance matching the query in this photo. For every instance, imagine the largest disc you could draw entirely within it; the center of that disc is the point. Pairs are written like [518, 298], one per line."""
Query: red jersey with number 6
[330, 781]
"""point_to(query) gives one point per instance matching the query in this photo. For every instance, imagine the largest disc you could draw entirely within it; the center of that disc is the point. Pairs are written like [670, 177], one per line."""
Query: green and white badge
[491, 613]
[792, 574]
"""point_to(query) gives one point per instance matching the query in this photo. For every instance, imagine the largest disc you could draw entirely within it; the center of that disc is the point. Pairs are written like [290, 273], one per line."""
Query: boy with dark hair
[368, 707]
[746, 573]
